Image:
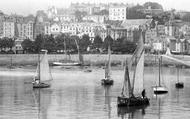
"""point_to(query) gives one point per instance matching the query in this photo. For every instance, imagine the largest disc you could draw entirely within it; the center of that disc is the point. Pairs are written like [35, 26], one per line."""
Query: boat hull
[132, 101]
[107, 82]
[66, 64]
[160, 90]
[179, 85]
[123, 110]
[40, 85]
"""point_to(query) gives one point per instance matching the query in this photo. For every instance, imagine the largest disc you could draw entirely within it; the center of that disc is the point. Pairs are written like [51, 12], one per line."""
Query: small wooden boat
[133, 92]
[107, 80]
[160, 90]
[43, 75]
[41, 85]
[178, 84]
[66, 64]
[88, 70]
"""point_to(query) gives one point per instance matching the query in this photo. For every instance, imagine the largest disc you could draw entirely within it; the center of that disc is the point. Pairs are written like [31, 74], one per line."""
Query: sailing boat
[133, 87]
[178, 84]
[68, 61]
[107, 80]
[159, 89]
[43, 75]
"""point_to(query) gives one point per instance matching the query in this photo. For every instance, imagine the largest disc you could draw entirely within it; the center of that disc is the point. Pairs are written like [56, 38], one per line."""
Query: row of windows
[117, 9]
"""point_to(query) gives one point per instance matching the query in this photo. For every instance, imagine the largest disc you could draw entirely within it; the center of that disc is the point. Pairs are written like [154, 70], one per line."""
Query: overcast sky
[25, 7]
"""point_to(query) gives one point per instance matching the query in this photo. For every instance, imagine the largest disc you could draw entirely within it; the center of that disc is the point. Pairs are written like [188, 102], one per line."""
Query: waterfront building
[117, 13]
[55, 29]
[8, 29]
[26, 29]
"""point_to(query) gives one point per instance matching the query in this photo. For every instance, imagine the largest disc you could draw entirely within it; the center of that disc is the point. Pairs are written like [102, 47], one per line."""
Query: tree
[84, 42]
[27, 45]
[49, 43]
[124, 47]
[186, 17]
[79, 15]
[59, 41]
[39, 43]
[10, 43]
[153, 5]
[108, 41]
[102, 12]
[97, 41]
[134, 13]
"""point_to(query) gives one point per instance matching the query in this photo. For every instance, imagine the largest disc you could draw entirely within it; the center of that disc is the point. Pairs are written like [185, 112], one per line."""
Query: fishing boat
[107, 80]
[67, 61]
[178, 84]
[159, 89]
[133, 92]
[43, 75]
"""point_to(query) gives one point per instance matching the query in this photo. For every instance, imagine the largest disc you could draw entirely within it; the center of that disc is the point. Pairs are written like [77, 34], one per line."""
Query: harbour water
[76, 94]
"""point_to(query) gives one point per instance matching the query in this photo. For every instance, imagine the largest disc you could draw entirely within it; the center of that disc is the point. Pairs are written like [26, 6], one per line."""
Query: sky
[25, 7]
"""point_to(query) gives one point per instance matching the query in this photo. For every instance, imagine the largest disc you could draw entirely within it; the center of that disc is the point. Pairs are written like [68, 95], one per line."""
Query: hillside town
[162, 29]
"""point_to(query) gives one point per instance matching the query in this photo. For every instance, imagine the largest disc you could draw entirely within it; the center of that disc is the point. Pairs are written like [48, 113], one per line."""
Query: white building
[78, 29]
[26, 30]
[117, 13]
[8, 29]
[55, 29]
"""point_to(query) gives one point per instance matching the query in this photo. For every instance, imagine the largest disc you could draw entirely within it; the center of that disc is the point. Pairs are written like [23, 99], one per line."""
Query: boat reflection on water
[136, 112]
[42, 98]
[107, 89]
[160, 101]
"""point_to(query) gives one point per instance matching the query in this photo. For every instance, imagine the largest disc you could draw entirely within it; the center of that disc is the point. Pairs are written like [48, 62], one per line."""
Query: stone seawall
[89, 59]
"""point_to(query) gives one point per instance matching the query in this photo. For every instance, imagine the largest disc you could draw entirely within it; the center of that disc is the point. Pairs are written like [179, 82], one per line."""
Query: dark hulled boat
[133, 92]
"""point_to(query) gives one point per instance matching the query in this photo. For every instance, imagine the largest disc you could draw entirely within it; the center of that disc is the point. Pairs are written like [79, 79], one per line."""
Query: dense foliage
[73, 44]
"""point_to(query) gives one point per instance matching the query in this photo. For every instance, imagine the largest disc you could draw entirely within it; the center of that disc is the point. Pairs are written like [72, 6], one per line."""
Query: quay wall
[89, 59]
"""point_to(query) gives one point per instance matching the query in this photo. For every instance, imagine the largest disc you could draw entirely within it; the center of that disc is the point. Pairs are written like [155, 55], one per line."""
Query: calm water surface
[76, 94]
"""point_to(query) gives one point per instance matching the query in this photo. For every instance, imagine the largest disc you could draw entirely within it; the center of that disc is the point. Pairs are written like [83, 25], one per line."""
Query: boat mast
[109, 63]
[65, 49]
[178, 74]
[159, 70]
[39, 65]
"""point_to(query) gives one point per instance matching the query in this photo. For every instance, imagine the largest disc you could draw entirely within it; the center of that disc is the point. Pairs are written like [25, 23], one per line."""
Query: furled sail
[108, 64]
[45, 74]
